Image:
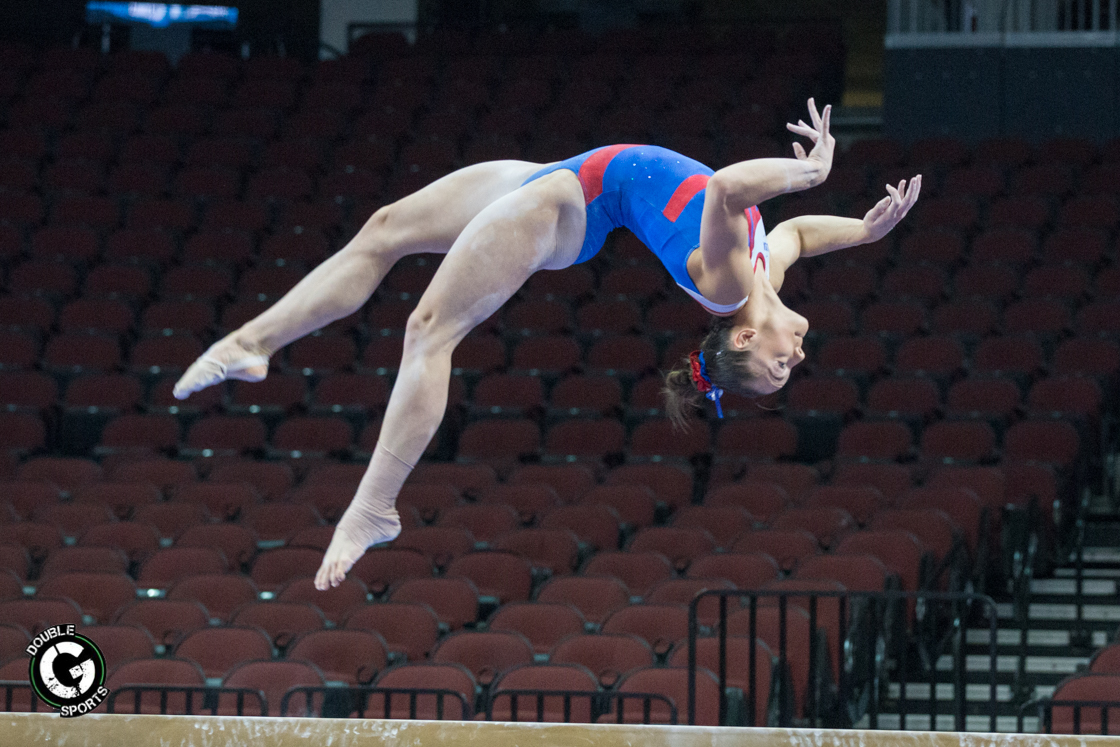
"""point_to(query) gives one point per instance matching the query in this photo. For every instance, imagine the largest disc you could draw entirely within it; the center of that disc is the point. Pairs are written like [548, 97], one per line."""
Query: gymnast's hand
[823, 142]
[891, 209]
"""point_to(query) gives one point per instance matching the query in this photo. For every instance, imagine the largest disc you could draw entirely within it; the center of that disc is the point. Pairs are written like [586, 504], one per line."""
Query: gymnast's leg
[427, 221]
[539, 226]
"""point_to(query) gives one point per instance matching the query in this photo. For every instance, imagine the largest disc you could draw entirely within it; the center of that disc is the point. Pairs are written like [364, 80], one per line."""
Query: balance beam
[104, 730]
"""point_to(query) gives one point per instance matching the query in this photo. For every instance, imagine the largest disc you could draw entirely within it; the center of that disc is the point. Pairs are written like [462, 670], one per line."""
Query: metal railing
[866, 640]
[209, 699]
[342, 702]
[912, 17]
[1044, 707]
[10, 688]
[599, 704]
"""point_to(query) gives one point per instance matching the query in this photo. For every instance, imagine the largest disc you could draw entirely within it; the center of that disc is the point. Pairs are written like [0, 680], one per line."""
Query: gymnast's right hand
[818, 133]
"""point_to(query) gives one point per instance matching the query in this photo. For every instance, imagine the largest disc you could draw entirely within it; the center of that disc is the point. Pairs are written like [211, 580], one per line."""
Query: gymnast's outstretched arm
[748, 183]
[811, 235]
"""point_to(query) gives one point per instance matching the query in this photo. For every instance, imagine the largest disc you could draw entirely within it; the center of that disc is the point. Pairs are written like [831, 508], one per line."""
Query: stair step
[1006, 663]
[1102, 555]
[1035, 638]
[1060, 586]
[975, 723]
[1054, 611]
[1088, 572]
[974, 693]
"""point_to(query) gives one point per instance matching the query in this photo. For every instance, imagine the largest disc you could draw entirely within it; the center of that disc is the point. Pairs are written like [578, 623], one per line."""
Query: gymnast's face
[775, 342]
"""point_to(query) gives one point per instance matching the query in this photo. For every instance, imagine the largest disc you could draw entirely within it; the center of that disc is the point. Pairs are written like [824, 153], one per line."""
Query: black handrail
[210, 698]
[599, 702]
[1045, 709]
[872, 599]
[351, 699]
[11, 687]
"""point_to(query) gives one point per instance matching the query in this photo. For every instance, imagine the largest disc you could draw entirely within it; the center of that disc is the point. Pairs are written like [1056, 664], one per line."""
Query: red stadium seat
[218, 650]
[556, 550]
[455, 601]
[284, 622]
[449, 677]
[570, 678]
[99, 594]
[761, 500]
[221, 594]
[501, 576]
[440, 545]
[166, 620]
[660, 625]
[153, 671]
[410, 628]
[596, 597]
[543, 624]
[487, 655]
[138, 541]
[609, 656]
[680, 545]
[958, 441]
[335, 603]
[825, 524]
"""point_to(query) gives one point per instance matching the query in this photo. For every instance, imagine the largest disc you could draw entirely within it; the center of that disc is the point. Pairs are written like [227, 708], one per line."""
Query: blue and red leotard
[657, 194]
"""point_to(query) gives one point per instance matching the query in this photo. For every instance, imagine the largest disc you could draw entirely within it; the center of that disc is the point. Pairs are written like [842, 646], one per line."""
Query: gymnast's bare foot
[232, 357]
[351, 538]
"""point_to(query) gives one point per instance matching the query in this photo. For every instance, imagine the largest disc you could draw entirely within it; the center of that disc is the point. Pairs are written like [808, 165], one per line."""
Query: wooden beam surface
[100, 730]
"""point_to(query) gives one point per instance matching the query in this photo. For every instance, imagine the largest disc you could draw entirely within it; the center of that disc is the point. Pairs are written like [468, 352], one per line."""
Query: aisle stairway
[1054, 649]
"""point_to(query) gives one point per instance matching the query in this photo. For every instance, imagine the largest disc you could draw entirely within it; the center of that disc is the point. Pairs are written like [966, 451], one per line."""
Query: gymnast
[502, 221]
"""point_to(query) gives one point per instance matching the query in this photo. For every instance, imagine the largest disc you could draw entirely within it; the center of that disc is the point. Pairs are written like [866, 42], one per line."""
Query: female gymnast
[500, 222]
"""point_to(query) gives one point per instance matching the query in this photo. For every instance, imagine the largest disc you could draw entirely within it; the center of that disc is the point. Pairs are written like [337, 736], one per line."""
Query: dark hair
[727, 368]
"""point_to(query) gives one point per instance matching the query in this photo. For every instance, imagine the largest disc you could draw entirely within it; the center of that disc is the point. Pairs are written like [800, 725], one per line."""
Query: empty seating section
[558, 525]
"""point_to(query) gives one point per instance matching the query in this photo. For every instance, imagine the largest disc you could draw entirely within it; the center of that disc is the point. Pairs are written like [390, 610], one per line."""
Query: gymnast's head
[750, 353]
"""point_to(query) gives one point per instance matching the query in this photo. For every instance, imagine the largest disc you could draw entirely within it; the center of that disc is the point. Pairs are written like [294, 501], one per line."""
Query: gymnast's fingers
[814, 115]
[799, 151]
[894, 194]
[912, 192]
[802, 130]
[879, 209]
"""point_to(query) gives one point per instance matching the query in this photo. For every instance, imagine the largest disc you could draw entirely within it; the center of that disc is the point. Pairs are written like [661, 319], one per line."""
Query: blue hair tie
[714, 392]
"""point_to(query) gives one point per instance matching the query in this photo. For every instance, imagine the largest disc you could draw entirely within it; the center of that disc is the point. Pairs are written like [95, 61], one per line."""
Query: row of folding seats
[357, 396]
[626, 355]
[1056, 299]
[39, 480]
[281, 687]
[224, 166]
[898, 540]
[576, 603]
[211, 256]
[509, 440]
[357, 654]
[598, 523]
[328, 486]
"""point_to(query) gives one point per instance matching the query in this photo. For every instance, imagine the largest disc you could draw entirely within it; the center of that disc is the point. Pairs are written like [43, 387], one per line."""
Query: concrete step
[1009, 637]
[974, 693]
[1056, 665]
[1109, 613]
[1102, 555]
[1063, 586]
[1088, 572]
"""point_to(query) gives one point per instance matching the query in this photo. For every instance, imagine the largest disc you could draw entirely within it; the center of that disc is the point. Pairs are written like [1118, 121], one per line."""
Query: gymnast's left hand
[890, 210]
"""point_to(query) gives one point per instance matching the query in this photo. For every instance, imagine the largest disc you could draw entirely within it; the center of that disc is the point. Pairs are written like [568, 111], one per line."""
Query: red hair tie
[699, 375]
[703, 382]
